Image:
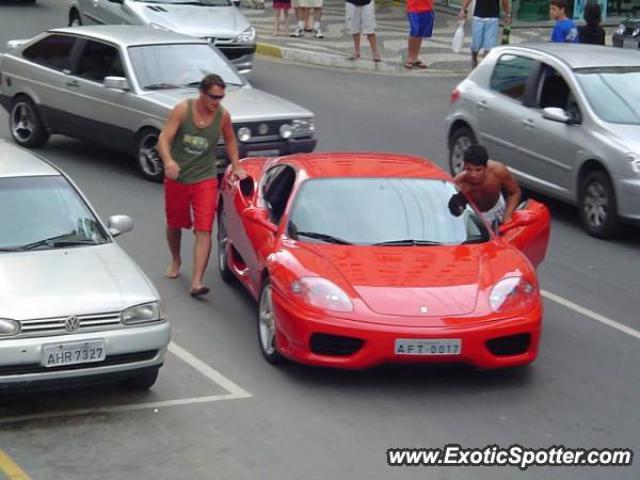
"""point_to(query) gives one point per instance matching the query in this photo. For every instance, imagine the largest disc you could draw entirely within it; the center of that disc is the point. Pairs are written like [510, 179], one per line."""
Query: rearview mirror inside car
[116, 83]
[556, 114]
[261, 217]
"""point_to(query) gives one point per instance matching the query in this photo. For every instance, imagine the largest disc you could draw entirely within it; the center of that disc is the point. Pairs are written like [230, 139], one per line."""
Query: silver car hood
[244, 104]
[224, 22]
[72, 281]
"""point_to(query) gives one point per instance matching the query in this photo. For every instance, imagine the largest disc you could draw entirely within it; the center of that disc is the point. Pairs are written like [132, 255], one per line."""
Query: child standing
[565, 30]
[281, 14]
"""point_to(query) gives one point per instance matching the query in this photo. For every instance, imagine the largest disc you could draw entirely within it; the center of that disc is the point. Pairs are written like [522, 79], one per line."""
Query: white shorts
[309, 3]
[360, 19]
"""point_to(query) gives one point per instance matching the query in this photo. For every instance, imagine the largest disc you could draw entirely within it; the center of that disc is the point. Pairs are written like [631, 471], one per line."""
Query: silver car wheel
[148, 157]
[457, 153]
[596, 204]
[23, 122]
[267, 322]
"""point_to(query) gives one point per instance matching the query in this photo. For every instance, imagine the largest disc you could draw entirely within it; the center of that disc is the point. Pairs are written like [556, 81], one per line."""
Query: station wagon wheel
[74, 19]
[149, 161]
[223, 246]
[597, 203]
[267, 326]
[27, 128]
[462, 139]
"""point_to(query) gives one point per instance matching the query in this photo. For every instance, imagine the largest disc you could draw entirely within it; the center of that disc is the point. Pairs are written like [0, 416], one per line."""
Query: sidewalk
[392, 30]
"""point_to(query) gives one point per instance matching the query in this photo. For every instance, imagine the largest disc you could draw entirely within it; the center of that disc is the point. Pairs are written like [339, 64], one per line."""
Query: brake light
[455, 96]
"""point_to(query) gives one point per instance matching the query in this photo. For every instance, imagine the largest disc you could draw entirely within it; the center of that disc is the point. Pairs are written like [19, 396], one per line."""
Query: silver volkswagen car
[220, 22]
[74, 308]
[116, 84]
[564, 118]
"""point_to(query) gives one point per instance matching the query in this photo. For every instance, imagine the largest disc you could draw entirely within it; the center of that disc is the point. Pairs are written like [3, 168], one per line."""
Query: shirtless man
[484, 181]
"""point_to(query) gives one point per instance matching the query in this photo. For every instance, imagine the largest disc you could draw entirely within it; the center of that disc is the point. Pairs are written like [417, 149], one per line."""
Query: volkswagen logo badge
[72, 323]
[424, 310]
[263, 129]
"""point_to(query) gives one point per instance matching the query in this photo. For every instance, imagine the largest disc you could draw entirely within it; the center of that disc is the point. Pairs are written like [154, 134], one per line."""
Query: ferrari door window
[511, 74]
[53, 51]
[98, 61]
[277, 191]
[393, 211]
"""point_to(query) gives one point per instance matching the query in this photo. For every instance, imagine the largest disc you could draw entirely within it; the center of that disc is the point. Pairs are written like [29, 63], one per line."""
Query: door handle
[528, 123]
[73, 83]
[482, 104]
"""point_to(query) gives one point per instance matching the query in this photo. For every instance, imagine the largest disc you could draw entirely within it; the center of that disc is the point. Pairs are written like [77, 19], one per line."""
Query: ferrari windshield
[391, 211]
[45, 212]
[163, 67]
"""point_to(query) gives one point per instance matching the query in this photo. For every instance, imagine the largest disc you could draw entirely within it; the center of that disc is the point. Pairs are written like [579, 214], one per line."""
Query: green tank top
[194, 148]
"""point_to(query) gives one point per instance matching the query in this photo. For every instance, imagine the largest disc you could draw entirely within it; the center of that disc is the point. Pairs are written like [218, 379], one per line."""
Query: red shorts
[181, 198]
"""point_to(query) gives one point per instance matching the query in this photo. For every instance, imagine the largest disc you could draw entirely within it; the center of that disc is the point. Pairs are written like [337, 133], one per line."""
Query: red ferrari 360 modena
[358, 259]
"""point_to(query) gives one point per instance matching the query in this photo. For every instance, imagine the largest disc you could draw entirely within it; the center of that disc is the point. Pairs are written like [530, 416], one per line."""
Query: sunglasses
[214, 97]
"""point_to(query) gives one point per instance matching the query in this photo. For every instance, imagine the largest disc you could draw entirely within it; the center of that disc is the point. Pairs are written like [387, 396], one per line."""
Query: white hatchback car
[74, 308]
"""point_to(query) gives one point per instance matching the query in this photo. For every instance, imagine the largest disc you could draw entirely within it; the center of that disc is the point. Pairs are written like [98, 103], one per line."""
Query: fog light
[244, 134]
[286, 131]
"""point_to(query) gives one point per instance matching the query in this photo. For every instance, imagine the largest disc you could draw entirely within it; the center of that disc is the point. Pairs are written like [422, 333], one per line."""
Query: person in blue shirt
[565, 30]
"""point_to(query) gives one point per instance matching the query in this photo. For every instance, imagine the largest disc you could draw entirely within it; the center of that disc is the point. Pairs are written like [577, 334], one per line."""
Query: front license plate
[433, 346]
[59, 354]
[263, 153]
[630, 43]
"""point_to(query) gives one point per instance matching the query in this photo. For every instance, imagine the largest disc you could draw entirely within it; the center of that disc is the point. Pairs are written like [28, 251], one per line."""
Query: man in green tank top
[187, 146]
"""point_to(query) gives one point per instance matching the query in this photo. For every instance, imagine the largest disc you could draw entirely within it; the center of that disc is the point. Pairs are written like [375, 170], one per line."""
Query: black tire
[266, 341]
[461, 139]
[25, 123]
[74, 18]
[598, 207]
[223, 267]
[142, 381]
[147, 157]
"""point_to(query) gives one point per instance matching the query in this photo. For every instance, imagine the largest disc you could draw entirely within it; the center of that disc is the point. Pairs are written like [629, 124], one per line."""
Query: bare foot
[173, 270]
[200, 290]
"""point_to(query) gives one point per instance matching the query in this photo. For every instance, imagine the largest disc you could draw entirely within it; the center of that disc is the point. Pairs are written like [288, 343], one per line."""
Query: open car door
[528, 231]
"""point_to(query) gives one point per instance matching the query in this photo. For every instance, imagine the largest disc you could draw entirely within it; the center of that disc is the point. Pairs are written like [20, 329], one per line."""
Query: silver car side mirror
[119, 224]
[116, 83]
[15, 44]
[556, 114]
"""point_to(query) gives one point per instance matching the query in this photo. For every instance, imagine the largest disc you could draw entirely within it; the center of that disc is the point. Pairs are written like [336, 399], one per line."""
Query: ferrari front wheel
[267, 326]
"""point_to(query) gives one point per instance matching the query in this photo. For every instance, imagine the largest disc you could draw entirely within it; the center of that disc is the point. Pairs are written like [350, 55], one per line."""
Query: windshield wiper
[161, 86]
[58, 240]
[407, 242]
[324, 237]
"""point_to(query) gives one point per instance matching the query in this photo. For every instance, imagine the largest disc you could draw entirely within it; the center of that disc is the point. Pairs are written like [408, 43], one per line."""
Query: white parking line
[234, 392]
[591, 314]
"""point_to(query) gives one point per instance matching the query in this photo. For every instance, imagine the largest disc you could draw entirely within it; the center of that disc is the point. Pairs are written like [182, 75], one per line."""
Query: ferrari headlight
[248, 36]
[322, 293]
[635, 162]
[145, 313]
[302, 125]
[620, 30]
[9, 328]
[513, 293]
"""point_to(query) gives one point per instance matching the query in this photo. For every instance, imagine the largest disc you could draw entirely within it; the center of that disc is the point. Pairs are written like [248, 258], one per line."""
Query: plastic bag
[458, 37]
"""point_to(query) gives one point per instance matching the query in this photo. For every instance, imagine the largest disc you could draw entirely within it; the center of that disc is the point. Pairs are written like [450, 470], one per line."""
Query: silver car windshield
[204, 3]
[159, 67]
[45, 212]
[384, 211]
[612, 93]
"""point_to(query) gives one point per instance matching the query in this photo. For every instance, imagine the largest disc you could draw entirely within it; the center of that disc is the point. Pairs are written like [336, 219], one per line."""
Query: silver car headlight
[9, 328]
[248, 36]
[620, 30]
[302, 125]
[635, 161]
[636, 32]
[145, 313]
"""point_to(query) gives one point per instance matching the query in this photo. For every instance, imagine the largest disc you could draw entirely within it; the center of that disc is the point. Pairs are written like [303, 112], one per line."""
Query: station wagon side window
[511, 74]
[53, 51]
[99, 60]
[277, 190]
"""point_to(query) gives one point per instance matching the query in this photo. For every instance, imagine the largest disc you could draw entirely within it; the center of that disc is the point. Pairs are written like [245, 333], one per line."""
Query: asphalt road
[303, 423]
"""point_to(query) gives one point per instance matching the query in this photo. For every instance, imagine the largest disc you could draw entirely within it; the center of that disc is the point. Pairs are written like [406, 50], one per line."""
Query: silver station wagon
[74, 308]
[220, 22]
[565, 119]
[115, 85]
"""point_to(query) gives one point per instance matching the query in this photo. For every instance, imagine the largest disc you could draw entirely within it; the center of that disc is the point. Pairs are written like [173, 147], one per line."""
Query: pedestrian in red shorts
[187, 146]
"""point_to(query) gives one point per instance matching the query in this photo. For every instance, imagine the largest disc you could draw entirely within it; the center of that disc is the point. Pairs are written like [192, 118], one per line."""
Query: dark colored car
[628, 33]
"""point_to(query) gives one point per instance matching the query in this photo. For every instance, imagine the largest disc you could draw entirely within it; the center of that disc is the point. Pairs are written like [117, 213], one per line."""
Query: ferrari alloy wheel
[462, 139]
[27, 128]
[149, 162]
[597, 203]
[267, 326]
[223, 247]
